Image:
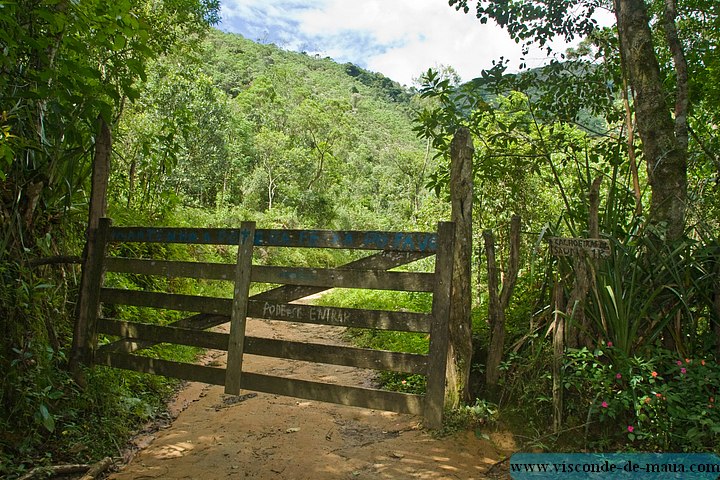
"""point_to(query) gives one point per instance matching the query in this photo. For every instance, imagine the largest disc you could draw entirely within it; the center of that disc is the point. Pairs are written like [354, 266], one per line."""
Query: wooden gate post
[440, 329]
[238, 316]
[86, 310]
[461, 194]
[85, 333]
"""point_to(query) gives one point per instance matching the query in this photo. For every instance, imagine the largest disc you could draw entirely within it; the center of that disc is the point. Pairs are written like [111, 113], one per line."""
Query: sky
[398, 38]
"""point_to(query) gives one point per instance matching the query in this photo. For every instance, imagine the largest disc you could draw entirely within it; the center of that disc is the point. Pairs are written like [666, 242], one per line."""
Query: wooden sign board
[571, 247]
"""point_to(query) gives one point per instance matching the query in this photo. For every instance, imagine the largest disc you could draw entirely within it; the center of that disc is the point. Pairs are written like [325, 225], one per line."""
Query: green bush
[470, 417]
[655, 402]
[403, 382]
[49, 419]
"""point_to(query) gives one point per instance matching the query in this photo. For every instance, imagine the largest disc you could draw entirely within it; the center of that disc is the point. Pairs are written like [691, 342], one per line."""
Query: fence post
[558, 351]
[461, 195]
[85, 333]
[439, 331]
[238, 316]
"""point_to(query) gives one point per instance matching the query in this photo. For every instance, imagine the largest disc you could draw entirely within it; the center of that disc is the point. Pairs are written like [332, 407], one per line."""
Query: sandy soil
[262, 436]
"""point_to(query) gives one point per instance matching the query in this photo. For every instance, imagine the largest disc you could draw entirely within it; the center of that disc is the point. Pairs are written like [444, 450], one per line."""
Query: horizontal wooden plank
[310, 277]
[163, 334]
[170, 301]
[341, 278]
[365, 240]
[339, 394]
[166, 368]
[307, 352]
[343, 317]
[337, 355]
[169, 268]
[197, 322]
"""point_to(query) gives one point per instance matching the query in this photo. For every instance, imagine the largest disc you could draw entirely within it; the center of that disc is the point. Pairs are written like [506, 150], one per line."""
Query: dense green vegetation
[641, 338]
[240, 133]
[212, 129]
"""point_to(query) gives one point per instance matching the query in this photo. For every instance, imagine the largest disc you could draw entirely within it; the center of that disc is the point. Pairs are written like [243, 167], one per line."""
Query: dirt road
[262, 436]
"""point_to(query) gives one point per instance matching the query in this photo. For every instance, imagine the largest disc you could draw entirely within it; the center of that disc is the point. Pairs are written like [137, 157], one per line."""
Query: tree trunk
[716, 304]
[665, 157]
[496, 315]
[460, 344]
[499, 299]
[83, 332]
[131, 181]
[682, 94]
[576, 322]
[100, 175]
[629, 125]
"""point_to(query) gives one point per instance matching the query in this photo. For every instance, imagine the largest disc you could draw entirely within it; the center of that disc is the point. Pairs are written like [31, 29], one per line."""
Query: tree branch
[682, 97]
[91, 471]
[511, 275]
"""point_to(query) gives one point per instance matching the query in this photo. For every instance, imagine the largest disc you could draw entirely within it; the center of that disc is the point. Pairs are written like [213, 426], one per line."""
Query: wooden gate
[372, 272]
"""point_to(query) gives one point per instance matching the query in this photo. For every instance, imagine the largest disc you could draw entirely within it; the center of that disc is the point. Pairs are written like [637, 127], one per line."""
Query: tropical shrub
[651, 402]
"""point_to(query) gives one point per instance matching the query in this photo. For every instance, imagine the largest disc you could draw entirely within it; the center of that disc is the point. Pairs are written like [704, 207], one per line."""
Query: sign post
[579, 249]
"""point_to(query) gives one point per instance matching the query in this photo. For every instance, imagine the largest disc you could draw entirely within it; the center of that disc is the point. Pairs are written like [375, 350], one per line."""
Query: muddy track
[263, 436]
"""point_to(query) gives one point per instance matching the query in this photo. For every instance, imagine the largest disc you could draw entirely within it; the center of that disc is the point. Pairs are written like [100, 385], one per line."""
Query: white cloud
[399, 38]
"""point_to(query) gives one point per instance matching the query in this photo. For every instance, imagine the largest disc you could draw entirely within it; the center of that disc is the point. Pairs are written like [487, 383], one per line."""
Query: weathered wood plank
[166, 368]
[238, 315]
[364, 240]
[575, 247]
[307, 352]
[336, 278]
[323, 392]
[170, 301]
[169, 268]
[439, 335]
[339, 394]
[337, 355]
[343, 317]
[379, 261]
[211, 236]
[85, 332]
[327, 278]
[163, 334]
[196, 323]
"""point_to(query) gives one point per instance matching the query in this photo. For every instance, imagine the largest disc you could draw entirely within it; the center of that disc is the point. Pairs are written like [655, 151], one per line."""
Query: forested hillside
[274, 135]
[615, 142]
